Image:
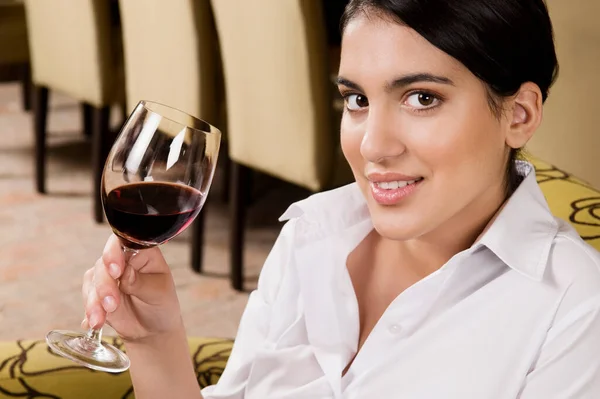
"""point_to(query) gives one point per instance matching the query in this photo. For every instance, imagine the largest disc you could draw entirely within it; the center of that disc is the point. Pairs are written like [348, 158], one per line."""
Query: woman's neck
[429, 252]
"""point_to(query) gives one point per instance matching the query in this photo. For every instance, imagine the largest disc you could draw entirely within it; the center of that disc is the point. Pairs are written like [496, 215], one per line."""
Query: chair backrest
[14, 48]
[570, 199]
[74, 48]
[278, 94]
[570, 133]
[171, 55]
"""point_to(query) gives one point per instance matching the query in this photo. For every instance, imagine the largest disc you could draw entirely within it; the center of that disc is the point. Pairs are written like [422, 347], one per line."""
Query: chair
[171, 57]
[29, 370]
[14, 48]
[75, 49]
[281, 118]
[569, 136]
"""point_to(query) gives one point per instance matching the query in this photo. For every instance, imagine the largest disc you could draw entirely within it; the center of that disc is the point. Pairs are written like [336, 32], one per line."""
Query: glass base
[79, 348]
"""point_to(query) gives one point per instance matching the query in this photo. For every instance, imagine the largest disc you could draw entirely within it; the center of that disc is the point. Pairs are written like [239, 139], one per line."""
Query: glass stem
[94, 335]
[129, 254]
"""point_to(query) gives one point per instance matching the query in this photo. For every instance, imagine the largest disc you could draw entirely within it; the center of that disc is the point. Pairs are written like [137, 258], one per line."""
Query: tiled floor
[47, 242]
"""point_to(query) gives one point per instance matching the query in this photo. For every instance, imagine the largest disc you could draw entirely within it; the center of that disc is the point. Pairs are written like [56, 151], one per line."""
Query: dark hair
[505, 43]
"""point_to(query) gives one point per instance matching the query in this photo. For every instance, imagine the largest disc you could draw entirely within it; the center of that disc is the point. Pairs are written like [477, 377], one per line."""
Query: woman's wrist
[154, 340]
[161, 366]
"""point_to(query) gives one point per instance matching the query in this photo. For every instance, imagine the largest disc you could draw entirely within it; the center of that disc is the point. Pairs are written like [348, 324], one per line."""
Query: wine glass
[154, 184]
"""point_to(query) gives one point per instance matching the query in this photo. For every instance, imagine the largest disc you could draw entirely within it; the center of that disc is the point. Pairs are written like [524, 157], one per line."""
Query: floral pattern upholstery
[571, 199]
[28, 369]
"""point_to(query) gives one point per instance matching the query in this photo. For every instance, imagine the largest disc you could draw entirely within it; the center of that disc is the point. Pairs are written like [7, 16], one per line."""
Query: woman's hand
[138, 300]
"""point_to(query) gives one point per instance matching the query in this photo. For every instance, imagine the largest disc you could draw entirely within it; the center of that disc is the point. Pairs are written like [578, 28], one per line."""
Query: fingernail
[94, 320]
[84, 323]
[114, 270]
[109, 304]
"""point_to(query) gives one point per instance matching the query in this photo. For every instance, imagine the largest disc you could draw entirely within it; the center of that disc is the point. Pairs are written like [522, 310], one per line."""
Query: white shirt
[517, 315]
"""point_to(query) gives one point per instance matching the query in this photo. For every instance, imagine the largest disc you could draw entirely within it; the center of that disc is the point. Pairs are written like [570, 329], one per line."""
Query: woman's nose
[382, 138]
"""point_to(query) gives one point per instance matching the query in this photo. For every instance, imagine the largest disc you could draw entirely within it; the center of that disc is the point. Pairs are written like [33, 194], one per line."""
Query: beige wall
[570, 133]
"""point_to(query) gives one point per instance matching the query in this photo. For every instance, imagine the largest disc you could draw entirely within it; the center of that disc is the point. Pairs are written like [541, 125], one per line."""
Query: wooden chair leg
[226, 162]
[86, 113]
[237, 203]
[26, 87]
[40, 107]
[198, 240]
[101, 142]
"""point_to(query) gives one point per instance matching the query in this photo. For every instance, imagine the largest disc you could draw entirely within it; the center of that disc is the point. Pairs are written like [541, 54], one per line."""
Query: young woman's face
[424, 146]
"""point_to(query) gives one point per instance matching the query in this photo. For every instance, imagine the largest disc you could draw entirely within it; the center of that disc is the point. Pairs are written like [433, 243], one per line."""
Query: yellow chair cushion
[570, 199]
[28, 369]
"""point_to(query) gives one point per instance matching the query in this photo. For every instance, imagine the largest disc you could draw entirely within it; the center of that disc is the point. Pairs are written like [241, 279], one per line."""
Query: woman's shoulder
[329, 219]
[571, 257]
[573, 266]
[326, 214]
[327, 204]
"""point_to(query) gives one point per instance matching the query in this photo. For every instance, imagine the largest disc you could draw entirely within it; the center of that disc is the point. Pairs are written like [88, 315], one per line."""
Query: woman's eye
[422, 100]
[354, 102]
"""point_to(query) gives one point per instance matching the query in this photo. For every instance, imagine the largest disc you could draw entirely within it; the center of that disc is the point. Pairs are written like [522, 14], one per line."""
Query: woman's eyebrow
[399, 82]
[348, 83]
[412, 78]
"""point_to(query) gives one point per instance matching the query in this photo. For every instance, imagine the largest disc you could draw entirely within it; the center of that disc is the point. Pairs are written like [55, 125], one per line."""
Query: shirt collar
[523, 231]
[521, 234]
[330, 212]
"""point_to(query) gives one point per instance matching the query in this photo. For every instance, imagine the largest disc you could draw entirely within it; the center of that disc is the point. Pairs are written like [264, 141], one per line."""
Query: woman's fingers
[145, 261]
[103, 291]
[150, 288]
[94, 312]
[118, 278]
[88, 276]
[101, 294]
[114, 257]
[106, 287]
[85, 294]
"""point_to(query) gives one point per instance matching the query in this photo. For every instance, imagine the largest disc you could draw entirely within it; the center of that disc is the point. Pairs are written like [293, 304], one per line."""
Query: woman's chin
[395, 231]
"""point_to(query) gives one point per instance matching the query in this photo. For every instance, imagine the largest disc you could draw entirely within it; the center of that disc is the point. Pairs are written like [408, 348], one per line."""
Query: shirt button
[395, 329]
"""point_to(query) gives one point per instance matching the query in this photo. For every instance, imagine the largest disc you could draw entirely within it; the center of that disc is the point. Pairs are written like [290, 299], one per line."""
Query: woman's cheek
[351, 137]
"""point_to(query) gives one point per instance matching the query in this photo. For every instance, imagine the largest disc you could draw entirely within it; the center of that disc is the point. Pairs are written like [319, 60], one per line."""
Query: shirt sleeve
[253, 328]
[569, 363]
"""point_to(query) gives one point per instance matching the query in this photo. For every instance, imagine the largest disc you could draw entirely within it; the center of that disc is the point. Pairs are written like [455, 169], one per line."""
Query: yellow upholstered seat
[29, 370]
[571, 199]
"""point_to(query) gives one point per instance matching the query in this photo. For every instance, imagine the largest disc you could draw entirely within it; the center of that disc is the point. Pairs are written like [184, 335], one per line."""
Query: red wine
[150, 213]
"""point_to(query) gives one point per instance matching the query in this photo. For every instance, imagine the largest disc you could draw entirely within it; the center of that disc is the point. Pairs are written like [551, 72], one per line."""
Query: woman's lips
[391, 193]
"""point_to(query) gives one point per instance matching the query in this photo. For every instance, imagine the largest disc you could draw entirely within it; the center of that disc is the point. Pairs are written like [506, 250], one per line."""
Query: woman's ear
[525, 115]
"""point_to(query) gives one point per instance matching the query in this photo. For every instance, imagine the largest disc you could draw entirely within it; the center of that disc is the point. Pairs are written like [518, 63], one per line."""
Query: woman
[440, 273]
